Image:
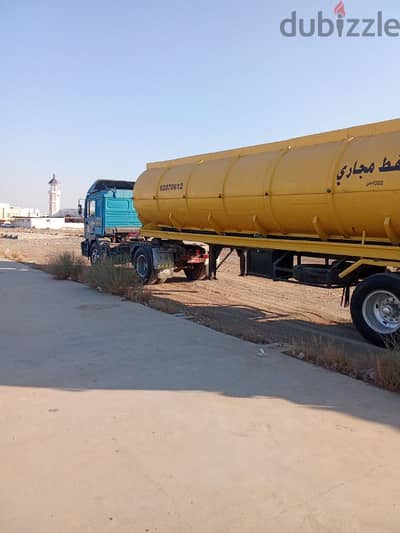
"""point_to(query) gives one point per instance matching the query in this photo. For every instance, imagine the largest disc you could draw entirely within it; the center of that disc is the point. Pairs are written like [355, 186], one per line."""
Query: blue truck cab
[109, 217]
[112, 231]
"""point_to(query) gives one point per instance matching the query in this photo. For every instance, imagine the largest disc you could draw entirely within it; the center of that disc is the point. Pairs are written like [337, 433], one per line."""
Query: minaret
[54, 196]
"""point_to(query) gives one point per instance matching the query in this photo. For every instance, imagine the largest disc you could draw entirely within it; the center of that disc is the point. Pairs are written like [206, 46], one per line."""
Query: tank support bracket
[319, 229]
[174, 221]
[262, 230]
[390, 231]
[215, 226]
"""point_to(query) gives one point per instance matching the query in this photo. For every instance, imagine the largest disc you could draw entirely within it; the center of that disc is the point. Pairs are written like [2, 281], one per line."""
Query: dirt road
[268, 310]
[118, 418]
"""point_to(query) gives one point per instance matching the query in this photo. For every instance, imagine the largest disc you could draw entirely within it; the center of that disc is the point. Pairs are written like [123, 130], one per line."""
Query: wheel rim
[381, 311]
[95, 255]
[141, 266]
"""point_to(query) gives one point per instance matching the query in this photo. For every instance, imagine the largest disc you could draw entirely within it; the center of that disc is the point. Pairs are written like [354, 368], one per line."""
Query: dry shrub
[212, 320]
[382, 370]
[388, 372]
[252, 335]
[137, 293]
[66, 266]
[117, 279]
[387, 366]
[13, 255]
[325, 353]
[166, 305]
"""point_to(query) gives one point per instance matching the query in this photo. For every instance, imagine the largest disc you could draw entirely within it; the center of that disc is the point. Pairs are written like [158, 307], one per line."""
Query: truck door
[90, 218]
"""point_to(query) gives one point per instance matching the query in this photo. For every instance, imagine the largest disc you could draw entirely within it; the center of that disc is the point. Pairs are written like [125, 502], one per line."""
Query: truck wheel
[99, 252]
[95, 255]
[375, 308]
[143, 264]
[195, 272]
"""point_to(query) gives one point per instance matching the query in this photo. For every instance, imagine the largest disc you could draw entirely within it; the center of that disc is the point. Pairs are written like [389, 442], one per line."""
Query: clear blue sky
[93, 88]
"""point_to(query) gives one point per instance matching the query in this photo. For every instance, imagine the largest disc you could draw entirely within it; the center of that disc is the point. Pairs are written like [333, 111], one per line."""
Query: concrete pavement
[115, 417]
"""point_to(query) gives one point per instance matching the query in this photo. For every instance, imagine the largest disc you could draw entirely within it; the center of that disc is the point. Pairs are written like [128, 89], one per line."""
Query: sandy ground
[38, 246]
[253, 308]
[117, 418]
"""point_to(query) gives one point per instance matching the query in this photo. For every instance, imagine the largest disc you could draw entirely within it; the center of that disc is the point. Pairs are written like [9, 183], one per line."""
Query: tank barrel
[338, 185]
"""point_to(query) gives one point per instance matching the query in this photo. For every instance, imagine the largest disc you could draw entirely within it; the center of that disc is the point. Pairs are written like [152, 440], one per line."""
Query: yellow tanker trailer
[333, 195]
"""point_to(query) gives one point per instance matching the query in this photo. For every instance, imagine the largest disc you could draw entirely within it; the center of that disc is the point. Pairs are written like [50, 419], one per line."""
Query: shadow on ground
[260, 326]
[66, 336]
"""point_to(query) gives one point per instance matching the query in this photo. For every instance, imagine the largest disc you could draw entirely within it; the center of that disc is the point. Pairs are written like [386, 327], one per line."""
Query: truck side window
[92, 208]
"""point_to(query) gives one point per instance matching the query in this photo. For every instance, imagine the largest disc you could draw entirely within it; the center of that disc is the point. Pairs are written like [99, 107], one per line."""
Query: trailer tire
[195, 272]
[142, 262]
[375, 308]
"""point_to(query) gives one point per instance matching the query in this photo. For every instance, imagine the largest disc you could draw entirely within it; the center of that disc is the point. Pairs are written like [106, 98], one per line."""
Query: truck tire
[95, 254]
[99, 251]
[375, 308]
[195, 272]
[142, 262]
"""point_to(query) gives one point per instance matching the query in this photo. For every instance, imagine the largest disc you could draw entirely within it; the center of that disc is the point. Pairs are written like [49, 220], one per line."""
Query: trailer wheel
[375, 308]
[143, 264]
[195, 272]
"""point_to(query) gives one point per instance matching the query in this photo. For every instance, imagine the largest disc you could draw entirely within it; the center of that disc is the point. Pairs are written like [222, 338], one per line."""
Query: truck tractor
[112, 230]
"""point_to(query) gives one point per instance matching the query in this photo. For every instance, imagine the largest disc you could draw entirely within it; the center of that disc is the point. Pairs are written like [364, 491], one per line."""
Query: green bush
[66, 266]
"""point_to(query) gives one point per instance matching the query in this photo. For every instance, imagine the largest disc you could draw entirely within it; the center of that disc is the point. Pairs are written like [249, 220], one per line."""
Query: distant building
[4, 212]
[54, 196]
[10, 212]
[49, 223]
[67, 212]
[16, 212]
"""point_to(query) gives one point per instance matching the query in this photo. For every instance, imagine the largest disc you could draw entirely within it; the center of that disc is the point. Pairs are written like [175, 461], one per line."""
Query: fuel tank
[342, 184]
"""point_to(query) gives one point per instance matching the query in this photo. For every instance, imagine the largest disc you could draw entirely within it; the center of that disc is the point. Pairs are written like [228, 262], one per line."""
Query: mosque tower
[54, 196]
